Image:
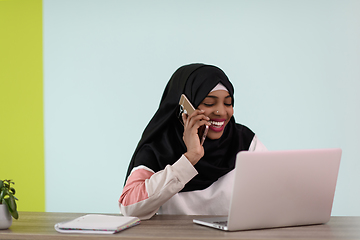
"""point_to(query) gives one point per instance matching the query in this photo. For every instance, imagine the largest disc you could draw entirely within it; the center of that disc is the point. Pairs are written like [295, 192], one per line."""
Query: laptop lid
[283, 188]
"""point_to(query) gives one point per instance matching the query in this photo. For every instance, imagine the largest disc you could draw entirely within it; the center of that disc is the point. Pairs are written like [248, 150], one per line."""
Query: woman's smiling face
[217, 106]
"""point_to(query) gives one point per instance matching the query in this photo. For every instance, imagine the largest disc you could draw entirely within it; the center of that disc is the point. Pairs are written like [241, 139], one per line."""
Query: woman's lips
[217, 125]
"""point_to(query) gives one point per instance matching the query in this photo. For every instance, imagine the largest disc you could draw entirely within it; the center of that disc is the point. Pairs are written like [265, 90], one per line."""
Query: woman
[170, 171]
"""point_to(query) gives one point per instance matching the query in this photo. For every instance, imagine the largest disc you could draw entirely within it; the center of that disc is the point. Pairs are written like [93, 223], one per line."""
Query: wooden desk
[33, 225]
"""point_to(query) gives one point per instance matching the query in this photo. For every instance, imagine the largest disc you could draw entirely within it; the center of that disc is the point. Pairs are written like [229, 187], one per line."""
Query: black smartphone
[187, 108]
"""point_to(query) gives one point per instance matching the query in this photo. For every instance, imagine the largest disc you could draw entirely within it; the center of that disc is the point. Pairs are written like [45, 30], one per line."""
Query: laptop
[280, 189]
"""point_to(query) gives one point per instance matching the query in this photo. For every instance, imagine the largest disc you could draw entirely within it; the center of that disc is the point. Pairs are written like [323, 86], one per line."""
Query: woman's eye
[208, 104]
[228, 104]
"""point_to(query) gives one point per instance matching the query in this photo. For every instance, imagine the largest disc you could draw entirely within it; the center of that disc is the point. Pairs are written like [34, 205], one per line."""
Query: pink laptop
[280, 189]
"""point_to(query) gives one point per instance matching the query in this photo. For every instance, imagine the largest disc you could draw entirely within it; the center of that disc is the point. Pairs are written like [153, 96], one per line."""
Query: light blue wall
[295, 66]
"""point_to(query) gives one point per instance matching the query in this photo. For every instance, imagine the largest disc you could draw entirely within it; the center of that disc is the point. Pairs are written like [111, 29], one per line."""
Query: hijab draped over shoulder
[162, 144]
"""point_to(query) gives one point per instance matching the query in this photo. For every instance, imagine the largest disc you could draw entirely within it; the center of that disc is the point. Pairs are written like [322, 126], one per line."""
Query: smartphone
[187, 108]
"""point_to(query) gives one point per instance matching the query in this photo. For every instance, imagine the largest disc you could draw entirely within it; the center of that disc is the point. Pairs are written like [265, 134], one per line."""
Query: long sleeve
[145, 191]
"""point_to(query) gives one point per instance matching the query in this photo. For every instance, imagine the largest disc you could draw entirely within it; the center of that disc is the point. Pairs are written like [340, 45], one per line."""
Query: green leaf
[5, 192]
[12, 190]
[1, 184]
[7, 202]
[2, 195]
[11, 203]
[12, 207]
[15, 214]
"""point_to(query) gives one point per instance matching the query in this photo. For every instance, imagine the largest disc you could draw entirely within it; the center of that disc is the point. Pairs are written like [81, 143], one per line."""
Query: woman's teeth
[217, 124]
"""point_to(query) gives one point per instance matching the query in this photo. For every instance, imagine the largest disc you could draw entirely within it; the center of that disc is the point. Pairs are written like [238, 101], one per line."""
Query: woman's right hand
[192, 123]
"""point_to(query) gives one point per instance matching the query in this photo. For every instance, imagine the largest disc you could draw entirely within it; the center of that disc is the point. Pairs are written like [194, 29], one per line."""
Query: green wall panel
[21, 101]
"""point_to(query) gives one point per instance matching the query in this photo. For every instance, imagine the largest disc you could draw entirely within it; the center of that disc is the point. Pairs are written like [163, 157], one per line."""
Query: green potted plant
[8, 206]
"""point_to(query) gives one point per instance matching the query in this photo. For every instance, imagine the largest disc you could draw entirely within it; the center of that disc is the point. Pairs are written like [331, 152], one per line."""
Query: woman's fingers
[196, 118]
[192, 123]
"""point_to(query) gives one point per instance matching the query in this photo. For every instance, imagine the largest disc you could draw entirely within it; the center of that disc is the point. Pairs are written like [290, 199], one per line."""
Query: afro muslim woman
[172, 171]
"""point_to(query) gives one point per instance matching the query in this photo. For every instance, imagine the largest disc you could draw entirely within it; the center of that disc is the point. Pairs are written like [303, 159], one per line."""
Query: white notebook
[97, 224]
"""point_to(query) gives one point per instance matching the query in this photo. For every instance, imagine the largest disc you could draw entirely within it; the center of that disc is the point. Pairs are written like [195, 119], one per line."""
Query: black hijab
[161, 143]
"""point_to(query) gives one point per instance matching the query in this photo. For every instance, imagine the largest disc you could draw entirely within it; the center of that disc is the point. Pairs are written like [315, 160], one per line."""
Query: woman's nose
[219, 110]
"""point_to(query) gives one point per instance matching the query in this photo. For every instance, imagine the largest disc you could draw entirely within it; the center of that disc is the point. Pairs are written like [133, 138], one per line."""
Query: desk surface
[32, 225]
